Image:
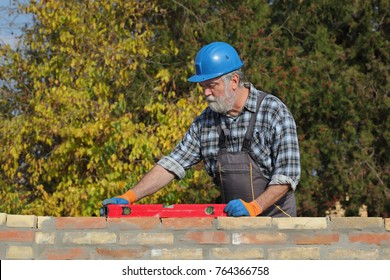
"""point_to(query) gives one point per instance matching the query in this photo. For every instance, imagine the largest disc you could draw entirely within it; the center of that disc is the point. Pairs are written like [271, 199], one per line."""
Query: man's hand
[126, 198]
[115, 200]
[238, 207]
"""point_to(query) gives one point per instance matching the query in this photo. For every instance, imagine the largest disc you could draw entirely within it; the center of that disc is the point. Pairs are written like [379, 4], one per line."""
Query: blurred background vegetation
[96, 91]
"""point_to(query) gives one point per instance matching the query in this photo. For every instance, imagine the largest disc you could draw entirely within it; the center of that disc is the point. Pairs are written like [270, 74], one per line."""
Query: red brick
[187, 223]
[370, 238]
[80, 223]
[145, 223]
[323, 238]
[16, 236]
[108, 253]
[207, 237]
[67, 254]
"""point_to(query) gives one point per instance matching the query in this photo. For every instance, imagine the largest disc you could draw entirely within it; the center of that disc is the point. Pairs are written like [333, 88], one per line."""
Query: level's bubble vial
[209, 210]
[126, 210]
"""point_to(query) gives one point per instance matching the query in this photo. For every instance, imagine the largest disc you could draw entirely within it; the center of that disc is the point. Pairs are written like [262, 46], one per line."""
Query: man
[246, 138]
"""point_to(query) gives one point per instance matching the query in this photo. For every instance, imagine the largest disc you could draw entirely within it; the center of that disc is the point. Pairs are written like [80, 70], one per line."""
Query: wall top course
[221, 223]
[45, 237]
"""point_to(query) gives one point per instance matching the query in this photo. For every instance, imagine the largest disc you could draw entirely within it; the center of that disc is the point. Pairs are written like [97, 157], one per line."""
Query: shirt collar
[250, 103]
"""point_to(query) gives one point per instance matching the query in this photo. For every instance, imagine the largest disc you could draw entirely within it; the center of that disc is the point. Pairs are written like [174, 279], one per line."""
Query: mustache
[211, 98]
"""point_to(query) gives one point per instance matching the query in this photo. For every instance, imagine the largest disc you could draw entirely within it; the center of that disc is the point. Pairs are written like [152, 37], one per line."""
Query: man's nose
[207, 92]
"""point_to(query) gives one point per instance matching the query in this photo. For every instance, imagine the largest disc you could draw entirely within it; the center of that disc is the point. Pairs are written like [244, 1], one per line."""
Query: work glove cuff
[129, 196]
[254, 208]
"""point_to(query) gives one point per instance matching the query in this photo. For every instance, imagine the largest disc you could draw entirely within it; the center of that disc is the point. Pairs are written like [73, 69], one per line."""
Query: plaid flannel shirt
[274, 144]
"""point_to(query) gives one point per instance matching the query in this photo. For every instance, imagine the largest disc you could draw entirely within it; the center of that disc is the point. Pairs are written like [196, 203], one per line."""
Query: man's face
[220, 97]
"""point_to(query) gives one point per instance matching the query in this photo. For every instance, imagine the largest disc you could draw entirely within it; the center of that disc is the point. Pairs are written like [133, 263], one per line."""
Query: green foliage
[97, 92]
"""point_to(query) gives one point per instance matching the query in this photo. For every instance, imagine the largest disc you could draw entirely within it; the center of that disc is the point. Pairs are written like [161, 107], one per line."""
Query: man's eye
[208, 86]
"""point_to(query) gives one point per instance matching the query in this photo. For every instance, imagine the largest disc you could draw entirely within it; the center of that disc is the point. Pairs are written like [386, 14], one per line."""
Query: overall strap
[247, 140]
[222, 135]
[248, 135]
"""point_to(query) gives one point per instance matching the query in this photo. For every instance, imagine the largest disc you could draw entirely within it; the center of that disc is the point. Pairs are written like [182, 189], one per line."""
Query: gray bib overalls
[238, 175]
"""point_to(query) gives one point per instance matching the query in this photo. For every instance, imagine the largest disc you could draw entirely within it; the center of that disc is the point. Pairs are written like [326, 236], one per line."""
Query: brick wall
[32, 237]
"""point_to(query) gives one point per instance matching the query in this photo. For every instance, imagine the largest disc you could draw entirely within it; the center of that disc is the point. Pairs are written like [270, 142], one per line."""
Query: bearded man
[246, 138]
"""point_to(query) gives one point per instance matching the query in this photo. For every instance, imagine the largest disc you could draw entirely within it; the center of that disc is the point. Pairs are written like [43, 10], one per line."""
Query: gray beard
[222, 104]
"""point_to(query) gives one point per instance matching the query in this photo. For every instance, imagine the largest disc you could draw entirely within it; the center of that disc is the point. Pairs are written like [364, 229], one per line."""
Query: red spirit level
[161, 211]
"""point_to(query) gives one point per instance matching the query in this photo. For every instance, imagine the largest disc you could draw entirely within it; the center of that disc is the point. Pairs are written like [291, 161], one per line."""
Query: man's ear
[235, 81]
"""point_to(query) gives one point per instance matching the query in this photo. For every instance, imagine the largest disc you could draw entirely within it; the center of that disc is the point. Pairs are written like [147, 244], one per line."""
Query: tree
[97, 92]
[342, 102]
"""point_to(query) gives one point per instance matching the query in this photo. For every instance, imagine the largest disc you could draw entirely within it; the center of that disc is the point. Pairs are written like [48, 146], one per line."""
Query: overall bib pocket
[239, 177]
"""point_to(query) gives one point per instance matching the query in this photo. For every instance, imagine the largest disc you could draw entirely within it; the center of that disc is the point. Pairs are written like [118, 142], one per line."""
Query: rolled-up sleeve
[286, 157]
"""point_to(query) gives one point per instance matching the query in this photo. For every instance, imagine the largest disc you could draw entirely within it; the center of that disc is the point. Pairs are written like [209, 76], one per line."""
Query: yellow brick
[19, 253]
[145, 238]
[300, 223]
[387, 224]
[89, 237]
[307, 253]
[353, 254]
[386, 254]
[357, 222]
[177, 254]
[237, 254]
[3, 218]
[44, 221]
[45, 237]
[243, 222]
[28, 221]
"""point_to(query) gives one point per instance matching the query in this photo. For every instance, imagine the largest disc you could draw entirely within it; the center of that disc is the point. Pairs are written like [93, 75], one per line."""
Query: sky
[10, 22]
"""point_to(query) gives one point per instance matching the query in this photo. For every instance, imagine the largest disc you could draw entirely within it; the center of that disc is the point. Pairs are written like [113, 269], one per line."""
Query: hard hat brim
[202, 78]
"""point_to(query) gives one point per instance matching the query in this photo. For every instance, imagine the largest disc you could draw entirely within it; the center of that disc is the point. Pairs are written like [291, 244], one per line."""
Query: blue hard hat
[214, 60]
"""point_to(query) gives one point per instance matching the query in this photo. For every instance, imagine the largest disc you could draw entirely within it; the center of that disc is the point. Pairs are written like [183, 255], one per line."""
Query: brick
[66, 254]
[237, 254]
[386, 254]
[227, 223]
[316, 238]
[259, 238]
[353, 254]
[387, 224]
[357, 223]
[16, 236]
[144, 223]
[44, 222]
[2, 253]
[123, 254]
[19, 253]
[294, 254]
[3, 219]
[27, 221]
[187, 223]
[89, 238]
[177, 254]
[80, 223]
[300, 223]
[370, 238]
[45, 237]
[145, 238]
[207, 237]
